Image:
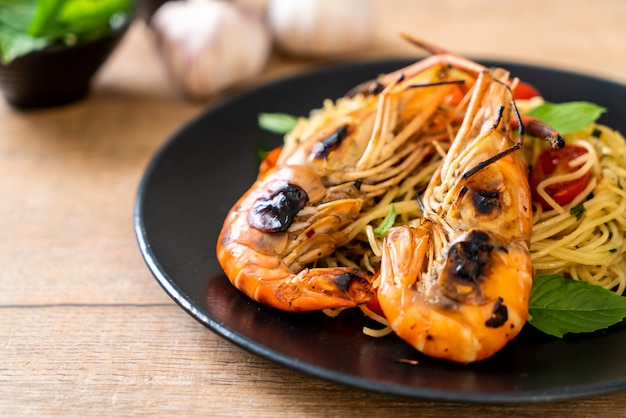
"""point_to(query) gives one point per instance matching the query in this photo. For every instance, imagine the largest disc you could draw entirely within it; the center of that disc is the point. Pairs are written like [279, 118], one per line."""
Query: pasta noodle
[584, 239]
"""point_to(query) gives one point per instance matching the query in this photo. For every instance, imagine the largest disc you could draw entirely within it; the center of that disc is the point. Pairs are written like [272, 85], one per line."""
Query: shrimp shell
[305, 198]
[457, 286]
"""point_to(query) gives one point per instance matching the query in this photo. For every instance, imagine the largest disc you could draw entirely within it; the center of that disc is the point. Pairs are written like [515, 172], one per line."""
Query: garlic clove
[210, 45]
[321, 28]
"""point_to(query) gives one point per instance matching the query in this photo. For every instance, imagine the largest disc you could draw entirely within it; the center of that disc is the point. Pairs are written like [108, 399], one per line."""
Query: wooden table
[86, 330]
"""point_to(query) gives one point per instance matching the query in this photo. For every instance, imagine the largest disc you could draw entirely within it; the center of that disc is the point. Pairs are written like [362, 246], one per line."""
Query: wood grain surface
[87, 331]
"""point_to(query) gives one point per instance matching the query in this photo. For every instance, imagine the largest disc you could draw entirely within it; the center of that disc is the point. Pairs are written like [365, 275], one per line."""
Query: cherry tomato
[553, 162]
[524, 91]
[374, 306]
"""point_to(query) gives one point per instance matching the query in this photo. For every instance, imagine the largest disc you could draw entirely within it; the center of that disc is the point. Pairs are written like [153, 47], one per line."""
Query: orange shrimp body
[271, 266]
[327, 173]
[457, 286]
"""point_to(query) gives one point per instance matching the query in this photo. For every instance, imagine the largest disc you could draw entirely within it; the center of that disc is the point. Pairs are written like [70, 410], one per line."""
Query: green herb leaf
[93, 19]
[387, 222]
[16, 45]
[30, 25]
[45, 16]
[559, 306]
[278, 123]
[567, 117]
[577, 211]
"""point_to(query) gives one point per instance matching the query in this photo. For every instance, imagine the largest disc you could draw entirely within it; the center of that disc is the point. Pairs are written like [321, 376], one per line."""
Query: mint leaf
[13, 45]
[567, 117]
[93, 19]
[278, 123]
[15, 17]
[559, 306]
[45, 16]
[30, 25]
[387, 222]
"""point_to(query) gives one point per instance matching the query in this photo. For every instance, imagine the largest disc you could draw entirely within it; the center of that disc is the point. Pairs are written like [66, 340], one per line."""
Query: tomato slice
[553, 162]
[525, 91]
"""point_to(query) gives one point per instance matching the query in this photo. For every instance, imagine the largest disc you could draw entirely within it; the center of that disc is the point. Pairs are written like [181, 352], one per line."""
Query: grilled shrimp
[457, 286]
[302, 204]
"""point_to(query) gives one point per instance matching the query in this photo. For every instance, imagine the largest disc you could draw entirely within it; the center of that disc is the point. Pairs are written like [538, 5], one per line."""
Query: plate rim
[180, 297]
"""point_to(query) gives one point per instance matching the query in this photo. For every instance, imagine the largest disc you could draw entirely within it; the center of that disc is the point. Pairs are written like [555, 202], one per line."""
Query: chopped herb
[559, 306]
[567, 117]
[613, 250]
[278, 123]
[577, 211]
[387, 223]
[596, 133]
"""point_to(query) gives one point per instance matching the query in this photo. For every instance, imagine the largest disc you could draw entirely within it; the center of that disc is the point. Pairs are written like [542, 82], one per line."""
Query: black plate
[196, 177]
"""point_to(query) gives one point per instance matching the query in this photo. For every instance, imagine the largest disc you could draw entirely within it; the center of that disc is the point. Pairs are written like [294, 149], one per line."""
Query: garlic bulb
[319, 28]
[210, 45]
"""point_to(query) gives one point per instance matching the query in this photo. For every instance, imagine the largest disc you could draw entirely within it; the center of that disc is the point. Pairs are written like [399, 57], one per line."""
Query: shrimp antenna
[420, 43]
[514, 147]
[437, 83]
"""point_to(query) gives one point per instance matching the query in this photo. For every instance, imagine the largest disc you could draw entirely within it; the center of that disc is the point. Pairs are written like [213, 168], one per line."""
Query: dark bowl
[56, 75]
[147, 8]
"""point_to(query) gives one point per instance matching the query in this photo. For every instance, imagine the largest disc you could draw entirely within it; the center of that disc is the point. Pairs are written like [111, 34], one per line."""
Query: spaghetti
[422, 157]
[584, 239]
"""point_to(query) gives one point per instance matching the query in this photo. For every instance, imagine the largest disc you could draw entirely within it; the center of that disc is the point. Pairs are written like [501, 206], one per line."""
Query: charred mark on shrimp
[332, 141]
[499, 315]
[471, 256]
[376, 88]
[343, 281]
[465, 264]
[485, 201]
[275, 213]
